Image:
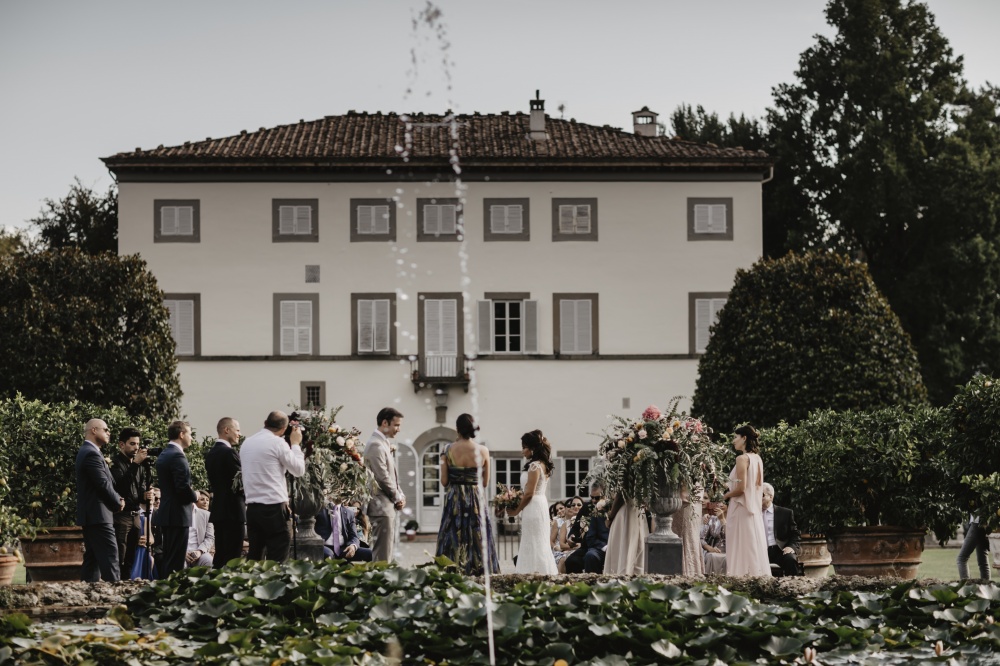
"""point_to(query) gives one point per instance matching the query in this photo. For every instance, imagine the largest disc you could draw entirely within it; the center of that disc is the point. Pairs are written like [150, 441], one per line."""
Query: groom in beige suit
[387, 499]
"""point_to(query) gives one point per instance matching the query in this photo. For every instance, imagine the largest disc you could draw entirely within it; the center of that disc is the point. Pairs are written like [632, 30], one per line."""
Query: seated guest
[201, 534]
[364, 526]
[567, 544]
[593, 542]
[713, 537]
[782, 534]
[335, 524]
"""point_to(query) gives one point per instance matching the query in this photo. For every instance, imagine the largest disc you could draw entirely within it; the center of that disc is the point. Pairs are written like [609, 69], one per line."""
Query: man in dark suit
[229, 513]
[96, 501]
[336, 526]
[782, 534]
[576, 562]
[178, 497]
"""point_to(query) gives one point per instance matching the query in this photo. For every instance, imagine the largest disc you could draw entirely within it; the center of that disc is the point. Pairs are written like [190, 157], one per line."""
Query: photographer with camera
[266, 457]
[131, 477]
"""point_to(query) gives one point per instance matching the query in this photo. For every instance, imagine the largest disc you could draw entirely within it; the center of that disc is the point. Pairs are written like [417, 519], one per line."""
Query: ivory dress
[746, 543]
[535, 554]
[626, 552]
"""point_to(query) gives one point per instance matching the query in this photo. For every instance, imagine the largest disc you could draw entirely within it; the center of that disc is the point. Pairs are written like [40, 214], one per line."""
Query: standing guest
[266, 457]
[201, 536]
[465, 464]
[177, 502]
[96, 501]
[975, 540]
[535, 553]
[336, 525]
[782, 534]
[746, 545]
[388, 498]
[686, 524]
[626, 552]
[228, 513]
[132, 479]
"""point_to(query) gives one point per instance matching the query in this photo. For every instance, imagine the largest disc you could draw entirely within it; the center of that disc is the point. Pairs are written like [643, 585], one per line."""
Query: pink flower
[642, 434]
[652, 413]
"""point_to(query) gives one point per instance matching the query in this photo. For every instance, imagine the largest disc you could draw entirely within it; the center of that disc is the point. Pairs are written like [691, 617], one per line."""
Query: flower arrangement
[12, 529]
[506, 499]
[334, 466]
[672, 447]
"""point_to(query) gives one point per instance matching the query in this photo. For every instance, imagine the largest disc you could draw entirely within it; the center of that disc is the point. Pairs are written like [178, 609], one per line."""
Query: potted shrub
[411, 527]
[40, 440]
[872, 482]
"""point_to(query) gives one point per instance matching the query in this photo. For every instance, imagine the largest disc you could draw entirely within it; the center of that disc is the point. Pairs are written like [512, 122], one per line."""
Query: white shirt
[769, 525]
[265, 458]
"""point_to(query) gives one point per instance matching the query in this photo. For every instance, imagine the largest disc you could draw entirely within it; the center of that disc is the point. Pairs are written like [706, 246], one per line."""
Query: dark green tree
[896, 163]
[82, 219]
[801, 333]
[86, 327]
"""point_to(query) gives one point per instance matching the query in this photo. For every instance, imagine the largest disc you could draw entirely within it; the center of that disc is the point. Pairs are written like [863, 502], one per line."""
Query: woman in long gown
[626, 552]
[746, 544]
[535, 554]
[687, 525]
[460, 537]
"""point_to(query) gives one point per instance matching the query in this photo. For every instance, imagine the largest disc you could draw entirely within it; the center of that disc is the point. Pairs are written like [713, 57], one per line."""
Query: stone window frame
[574, 201]
[710, 201]
[491, 236]
[389, 237]
[278, 237]
[193, 237]
[423, 236]
[357, 297]
[490, 297]
[594, 322]
[277, 300]
[303, 393]
[196, 299]
[693, 298]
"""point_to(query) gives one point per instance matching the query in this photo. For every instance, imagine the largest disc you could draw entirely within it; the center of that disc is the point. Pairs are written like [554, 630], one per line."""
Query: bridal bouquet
[640, 456]
[506, 498]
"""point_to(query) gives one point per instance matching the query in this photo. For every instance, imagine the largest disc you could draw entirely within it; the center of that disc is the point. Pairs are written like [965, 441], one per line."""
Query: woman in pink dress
[746, 544]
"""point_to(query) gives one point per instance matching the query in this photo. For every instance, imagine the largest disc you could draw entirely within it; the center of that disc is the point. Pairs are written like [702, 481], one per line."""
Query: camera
[150, 452]
[294, 420]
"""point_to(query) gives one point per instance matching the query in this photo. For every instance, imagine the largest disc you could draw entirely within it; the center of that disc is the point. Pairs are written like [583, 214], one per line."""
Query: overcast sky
[84, 80]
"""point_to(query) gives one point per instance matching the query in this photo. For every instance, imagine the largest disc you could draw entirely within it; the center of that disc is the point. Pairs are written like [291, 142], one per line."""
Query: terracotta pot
[879, 551]
[8, 564]
[814, 556]
[55, 555]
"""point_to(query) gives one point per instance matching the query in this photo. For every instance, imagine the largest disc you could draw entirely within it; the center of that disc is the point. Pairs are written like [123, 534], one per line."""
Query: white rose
[343, 467]
[642, 434]
[621, 443]
[341, 441]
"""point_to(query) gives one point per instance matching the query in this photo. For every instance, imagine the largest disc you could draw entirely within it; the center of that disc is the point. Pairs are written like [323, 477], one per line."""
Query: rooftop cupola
[644, 122]
[537, 124]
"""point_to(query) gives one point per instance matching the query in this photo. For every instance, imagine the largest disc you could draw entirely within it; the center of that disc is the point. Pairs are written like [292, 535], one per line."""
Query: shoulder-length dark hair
[753, 438]
[540, 449]
[466, 426]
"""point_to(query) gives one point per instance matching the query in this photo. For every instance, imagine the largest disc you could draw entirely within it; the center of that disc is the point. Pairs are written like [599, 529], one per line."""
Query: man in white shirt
[265, 458]
[781, 532]
[201, 534]
[388, 498]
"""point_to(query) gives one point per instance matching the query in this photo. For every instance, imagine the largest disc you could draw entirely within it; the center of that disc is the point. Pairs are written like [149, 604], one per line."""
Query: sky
[85, 80]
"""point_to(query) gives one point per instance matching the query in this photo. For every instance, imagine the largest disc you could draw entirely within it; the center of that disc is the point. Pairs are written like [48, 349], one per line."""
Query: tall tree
[897, 163]
[82, 219]
[87, 327]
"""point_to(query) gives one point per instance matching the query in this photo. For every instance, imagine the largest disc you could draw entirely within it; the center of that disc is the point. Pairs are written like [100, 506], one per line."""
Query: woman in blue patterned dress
[461, 534]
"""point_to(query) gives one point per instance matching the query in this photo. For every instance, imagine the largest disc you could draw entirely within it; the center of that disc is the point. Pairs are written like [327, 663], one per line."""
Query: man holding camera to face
[266, 457]
[132, 478]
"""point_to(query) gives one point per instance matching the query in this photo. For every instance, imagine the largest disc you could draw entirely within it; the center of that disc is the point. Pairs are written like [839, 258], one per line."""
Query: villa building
[533, 271]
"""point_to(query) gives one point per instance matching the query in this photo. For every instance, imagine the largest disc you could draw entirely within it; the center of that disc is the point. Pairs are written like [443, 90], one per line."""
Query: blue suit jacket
[348, 529]
[176, 494]
[597, 533]
[96, 498]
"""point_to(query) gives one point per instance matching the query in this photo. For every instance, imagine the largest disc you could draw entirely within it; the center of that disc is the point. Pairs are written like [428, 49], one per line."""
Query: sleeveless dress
[460, 537]
[687, 525]
[626, 552]
[746, 543]
[535, 554]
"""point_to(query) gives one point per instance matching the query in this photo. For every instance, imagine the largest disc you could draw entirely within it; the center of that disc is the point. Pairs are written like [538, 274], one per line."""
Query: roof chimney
[537, 124]
[644, 122]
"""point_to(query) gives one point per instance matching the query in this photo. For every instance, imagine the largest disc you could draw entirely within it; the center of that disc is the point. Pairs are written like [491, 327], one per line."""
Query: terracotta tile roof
[381, 140]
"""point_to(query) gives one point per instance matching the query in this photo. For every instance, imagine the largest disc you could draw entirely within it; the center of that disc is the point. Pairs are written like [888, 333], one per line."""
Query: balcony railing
[429, 371]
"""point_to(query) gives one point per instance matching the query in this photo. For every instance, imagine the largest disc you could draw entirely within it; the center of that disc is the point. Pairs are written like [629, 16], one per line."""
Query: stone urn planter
[54, 555]
[814, 555]
[879, 551]
[306, 544]
[8, 564]
[664, 553]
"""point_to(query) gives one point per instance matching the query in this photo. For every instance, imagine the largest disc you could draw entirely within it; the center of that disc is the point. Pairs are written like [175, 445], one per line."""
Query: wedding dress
[535, 554]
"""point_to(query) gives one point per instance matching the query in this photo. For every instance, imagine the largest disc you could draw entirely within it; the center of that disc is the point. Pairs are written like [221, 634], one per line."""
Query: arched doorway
[430, 494]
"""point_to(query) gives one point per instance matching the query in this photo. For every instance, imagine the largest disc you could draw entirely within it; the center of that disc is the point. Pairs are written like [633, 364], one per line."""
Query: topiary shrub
[802, 333]
[973, 449]
[87, 327]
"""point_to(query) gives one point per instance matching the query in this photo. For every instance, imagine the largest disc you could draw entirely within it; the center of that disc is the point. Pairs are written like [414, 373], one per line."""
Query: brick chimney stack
[537, 125]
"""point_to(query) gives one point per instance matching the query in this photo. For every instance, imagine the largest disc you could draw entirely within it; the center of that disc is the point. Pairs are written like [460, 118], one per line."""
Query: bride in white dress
[535, 555]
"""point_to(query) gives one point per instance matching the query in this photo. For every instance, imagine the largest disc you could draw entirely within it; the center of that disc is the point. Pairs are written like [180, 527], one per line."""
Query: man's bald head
[96, 431]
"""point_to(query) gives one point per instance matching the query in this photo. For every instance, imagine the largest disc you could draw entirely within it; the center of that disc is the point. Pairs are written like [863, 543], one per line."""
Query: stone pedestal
[306, 544]
[663, 548]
